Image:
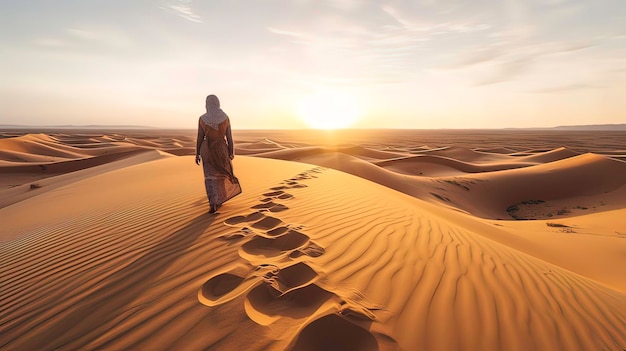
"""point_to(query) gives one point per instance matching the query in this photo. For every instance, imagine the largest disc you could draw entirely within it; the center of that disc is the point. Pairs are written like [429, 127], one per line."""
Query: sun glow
[329, 110]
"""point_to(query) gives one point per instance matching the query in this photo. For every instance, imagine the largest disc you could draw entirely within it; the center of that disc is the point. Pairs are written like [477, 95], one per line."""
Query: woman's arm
[199, 140]
[229, 139]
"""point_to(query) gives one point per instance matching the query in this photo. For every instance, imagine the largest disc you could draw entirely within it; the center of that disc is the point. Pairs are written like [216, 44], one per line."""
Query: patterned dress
[219, 179]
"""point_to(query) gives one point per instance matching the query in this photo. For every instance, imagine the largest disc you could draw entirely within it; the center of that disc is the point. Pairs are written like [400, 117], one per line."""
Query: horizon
[621, 127]
[302, 64]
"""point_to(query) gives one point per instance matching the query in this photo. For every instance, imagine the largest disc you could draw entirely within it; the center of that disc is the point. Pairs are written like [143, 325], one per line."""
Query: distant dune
[596, 127]
[348, 240]
[70, 126]
[585, 127]
[602, 127]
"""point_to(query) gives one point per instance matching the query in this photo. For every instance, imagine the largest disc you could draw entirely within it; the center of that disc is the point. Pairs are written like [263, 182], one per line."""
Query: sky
[281, 64]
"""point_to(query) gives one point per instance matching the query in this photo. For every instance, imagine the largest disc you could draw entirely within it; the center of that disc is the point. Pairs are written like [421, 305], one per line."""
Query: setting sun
[329, 110]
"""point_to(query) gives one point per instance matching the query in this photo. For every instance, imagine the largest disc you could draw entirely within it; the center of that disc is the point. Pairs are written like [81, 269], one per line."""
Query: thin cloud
[387, 50]
[456, 27]
[393, 13]
[509, 60]
[507, 71]
[477, 56]
[75, 38]
[105, 36]
[564, 47]
[183, 9]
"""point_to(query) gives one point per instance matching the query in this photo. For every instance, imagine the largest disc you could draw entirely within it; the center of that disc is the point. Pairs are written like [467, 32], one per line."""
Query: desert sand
[351, 240]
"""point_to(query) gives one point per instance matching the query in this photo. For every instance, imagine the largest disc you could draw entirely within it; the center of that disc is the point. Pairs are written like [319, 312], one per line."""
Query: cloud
[75, 39]
[477, 56]
[356, 52]
[444, 27]
[382, 45]
[395, 14]
[183, 9]
[504, 61]
[105, 36]
[399, 40]
[506, 70]
[563, 47]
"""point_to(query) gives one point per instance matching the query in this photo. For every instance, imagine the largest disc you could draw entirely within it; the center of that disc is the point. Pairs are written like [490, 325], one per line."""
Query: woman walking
[216, 149]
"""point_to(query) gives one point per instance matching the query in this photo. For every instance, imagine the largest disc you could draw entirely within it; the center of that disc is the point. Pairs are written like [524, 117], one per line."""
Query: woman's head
[212, 102]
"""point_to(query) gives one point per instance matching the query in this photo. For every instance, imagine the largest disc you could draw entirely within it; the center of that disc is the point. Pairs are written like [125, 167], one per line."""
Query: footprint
[225, 287]
[264, 205]
[265, 305]
[277, 231]
[291, 184]
[354, 310]
[292, 277]
[332, 332]
[274, 193]
[267, 223]
[255, 216]
[239, 234]
[220, 285]
[312, 250]
[272, 247]
[270, 206]
[278, 208]
[279, 194]
[235, 220]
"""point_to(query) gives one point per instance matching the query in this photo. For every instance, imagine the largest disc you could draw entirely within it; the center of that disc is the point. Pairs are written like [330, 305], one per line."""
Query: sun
[329, 110]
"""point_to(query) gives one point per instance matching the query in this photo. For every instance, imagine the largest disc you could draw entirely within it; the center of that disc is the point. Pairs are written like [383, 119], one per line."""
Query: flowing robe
[219, 179]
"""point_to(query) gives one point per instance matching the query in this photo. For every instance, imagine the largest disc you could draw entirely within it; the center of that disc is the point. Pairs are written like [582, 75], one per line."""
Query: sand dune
[558, 174]
[26, 185]
[595, 177]
[32, 157]
[439, 166]
[328, 247]
[550, 155]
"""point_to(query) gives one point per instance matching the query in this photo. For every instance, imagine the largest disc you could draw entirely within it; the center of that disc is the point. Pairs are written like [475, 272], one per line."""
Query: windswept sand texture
[354, 240]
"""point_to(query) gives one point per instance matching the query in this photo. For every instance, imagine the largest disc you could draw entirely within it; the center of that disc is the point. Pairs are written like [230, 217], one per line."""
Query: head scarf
[214, 114]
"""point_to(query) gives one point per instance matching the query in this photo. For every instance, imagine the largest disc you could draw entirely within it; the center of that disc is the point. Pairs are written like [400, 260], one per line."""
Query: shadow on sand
[93, 315]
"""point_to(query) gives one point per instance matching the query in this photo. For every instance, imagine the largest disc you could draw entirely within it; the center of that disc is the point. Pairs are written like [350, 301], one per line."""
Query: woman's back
[218, 133]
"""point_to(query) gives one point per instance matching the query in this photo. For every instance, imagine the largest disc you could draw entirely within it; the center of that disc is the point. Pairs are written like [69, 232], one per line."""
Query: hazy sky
[404, 64]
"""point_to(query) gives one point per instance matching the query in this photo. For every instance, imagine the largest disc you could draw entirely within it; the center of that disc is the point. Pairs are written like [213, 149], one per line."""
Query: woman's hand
[198, 160]
[231, 156]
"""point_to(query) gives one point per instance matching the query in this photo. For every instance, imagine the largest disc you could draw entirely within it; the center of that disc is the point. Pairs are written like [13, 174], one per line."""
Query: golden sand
[387, 240]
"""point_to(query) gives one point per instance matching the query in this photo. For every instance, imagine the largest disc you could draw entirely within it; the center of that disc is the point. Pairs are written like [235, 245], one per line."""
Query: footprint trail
[284, 286]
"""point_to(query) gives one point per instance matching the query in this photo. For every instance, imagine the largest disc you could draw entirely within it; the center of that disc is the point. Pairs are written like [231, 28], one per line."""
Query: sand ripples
[307, 258]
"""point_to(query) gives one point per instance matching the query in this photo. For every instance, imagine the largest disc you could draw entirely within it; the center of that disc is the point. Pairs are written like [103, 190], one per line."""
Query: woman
[215, 146]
